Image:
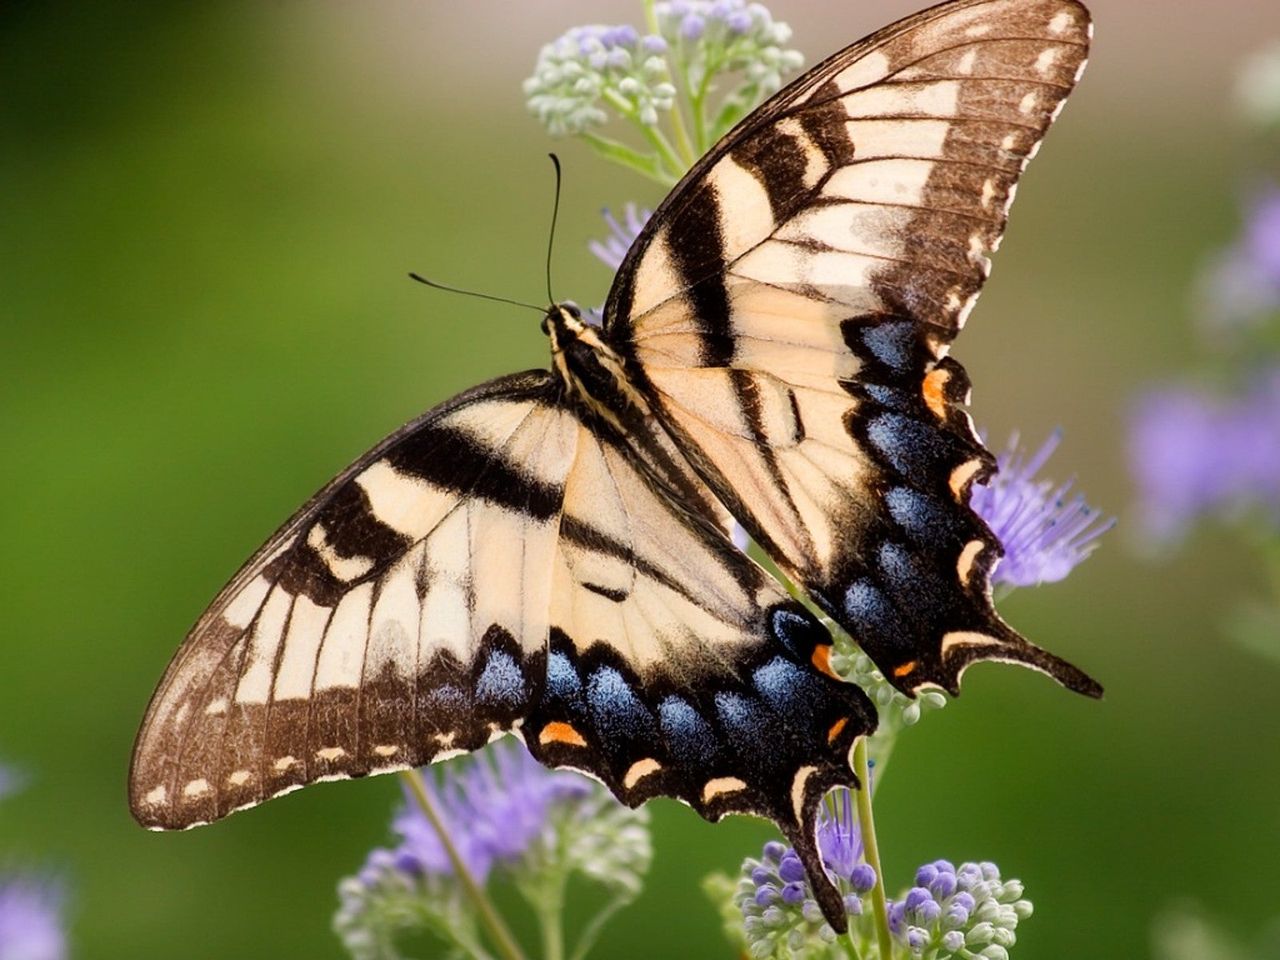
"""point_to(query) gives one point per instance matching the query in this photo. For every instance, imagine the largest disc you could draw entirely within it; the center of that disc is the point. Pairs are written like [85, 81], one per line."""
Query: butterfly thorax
[590, 369]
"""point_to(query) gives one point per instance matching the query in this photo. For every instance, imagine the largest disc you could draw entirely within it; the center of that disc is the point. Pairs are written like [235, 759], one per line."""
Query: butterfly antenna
[474, 293]
[555, 213]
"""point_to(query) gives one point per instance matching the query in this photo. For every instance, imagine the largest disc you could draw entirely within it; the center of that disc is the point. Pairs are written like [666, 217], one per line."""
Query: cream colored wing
[788, 310]
[399, 617]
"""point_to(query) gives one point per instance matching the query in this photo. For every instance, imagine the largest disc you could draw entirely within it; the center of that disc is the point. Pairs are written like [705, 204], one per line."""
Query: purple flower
[1194, 454]
[777, 903]
[613, 248]
[1243, 282]
[31, 920]
[839, 839]
[1045, 533]
[494, 809]
[952, 911]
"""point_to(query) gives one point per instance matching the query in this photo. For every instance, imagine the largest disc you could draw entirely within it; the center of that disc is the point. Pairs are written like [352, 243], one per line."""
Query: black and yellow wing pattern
[789, 308]
[548, 554]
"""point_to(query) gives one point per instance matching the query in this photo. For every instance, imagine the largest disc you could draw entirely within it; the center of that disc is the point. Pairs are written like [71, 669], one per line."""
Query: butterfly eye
[573, 308]
[546, 329]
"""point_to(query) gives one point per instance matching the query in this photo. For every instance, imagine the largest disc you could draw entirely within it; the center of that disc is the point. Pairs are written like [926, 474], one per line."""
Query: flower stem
[871, 850]
[502, 938]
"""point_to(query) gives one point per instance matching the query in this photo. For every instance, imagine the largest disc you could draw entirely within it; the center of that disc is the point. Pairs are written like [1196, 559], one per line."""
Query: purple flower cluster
[577, 70]
[688, 18]
[969, 912]
[1045, 530]
[1195, 454]
[779, 912]
[711, 36]
[1242, 284]
[31, 919]
[498, 807]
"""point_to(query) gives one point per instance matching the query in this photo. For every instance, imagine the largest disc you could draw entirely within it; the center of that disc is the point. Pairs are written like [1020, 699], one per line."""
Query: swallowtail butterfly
[548, 554]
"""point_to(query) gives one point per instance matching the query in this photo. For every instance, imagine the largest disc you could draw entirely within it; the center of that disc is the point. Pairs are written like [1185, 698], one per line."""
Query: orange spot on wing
[906, 669]
[557, 731]
[932, 388]
[836, 728]
[822, 659]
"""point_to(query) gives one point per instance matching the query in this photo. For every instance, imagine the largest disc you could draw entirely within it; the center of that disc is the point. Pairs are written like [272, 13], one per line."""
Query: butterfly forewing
[789, 307]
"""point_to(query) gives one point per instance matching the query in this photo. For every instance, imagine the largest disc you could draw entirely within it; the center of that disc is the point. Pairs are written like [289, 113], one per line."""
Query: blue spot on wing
[873, 616]
[789, 690]
[616, 711]
[920, 515]
[748, 730]
[891, 343]
[562, 679]
[501, 682]
[689, 738]
[912, 448]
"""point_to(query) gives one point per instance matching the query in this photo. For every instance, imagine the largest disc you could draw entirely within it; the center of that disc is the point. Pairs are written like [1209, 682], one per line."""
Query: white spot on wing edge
[157, 796]
[1059, 24]
[964, 566]
[284, 763]
[1046, 59]
[386, 749]
[196, 788]
[797, 790]
[639, 770]
[239, 778]
[721, 785]
[330, 753]
[216, 707]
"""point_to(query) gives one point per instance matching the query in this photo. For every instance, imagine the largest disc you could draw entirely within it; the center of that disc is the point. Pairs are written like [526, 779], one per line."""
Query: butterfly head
[588, 366]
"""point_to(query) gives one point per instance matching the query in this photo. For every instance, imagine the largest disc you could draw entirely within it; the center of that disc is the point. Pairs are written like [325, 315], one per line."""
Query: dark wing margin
[788, 311]
[365, 637]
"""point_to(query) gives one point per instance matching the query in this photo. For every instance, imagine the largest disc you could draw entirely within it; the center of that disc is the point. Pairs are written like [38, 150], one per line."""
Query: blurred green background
[208, 211]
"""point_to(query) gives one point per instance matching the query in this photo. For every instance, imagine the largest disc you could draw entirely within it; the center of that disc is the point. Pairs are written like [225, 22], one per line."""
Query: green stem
[871, 850]
[502, 938]
[651, 133]
[551, 920]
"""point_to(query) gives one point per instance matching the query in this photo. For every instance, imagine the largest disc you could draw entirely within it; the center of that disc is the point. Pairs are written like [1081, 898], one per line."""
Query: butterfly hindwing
[788, 310]
[504, 563]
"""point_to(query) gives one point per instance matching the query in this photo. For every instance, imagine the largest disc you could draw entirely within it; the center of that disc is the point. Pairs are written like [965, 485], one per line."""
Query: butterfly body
[549, 554]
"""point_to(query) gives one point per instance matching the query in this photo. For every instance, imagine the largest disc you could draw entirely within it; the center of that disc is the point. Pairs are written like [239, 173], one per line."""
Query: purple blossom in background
[494, 808]
[1194, 454]
[1046, 532]
[779, 913]
[1242, 283]
[969, 912]
[622, 234]
[31, 920]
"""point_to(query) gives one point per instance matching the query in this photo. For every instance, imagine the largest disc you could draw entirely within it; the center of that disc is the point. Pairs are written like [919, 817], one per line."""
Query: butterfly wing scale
[789, 307]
